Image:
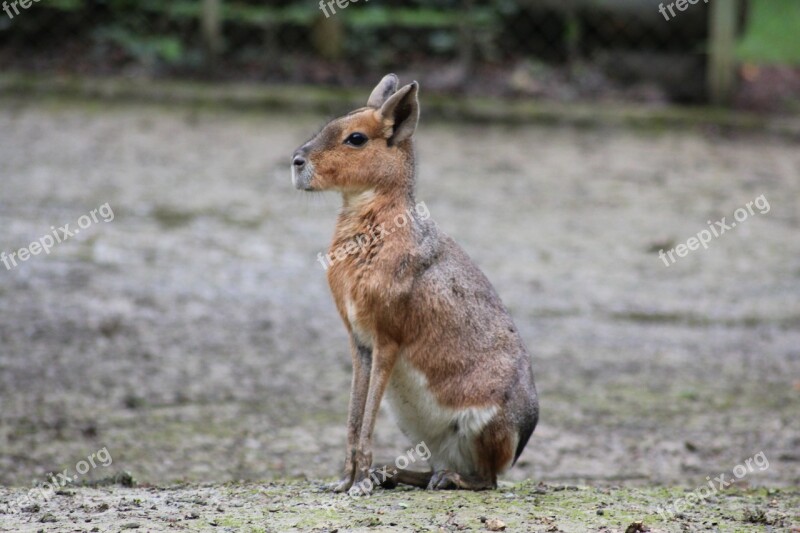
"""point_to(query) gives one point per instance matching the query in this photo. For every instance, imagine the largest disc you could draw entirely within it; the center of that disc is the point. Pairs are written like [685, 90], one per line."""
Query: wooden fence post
[721, 54]
[212, 29]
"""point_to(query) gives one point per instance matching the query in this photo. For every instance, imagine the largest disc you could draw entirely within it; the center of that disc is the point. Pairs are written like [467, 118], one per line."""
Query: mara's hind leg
[494, 453]
[389, 476]
[449, 480]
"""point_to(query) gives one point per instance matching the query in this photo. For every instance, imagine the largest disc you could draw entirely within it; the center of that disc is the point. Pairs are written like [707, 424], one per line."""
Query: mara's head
[369, 148]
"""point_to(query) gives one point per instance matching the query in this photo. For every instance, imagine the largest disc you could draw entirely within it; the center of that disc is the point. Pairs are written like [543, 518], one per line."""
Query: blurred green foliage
[379, 33]
[146, 49]
[773, 33]
[170, 32]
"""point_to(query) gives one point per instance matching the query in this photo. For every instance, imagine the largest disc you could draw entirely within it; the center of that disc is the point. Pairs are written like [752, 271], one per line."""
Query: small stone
[495, 524]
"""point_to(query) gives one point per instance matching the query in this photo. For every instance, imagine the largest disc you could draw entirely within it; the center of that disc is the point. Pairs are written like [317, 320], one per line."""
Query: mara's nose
[298, 160]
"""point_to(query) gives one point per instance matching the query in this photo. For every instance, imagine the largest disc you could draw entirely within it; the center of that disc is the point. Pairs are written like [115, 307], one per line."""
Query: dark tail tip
[525, 432]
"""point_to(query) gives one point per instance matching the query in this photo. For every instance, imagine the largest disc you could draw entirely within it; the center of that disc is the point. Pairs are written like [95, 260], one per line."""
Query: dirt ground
[194, 339]
[303, 506]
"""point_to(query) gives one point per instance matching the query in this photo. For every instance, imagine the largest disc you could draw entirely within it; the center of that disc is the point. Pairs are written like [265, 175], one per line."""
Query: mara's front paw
[362, 486]
[344, 484]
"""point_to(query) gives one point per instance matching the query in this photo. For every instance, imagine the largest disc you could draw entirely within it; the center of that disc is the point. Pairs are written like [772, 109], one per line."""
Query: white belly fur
[423, 419]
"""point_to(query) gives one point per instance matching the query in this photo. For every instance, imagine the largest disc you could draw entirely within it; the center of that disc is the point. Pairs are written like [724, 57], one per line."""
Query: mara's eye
[356, 139]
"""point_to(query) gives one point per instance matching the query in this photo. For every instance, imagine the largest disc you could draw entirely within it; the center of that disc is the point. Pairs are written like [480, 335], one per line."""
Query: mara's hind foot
[389, 477]
[449, 480]
[408, 477]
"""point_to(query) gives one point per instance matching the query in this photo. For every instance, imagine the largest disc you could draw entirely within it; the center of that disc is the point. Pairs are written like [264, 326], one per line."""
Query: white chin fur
[302, 180]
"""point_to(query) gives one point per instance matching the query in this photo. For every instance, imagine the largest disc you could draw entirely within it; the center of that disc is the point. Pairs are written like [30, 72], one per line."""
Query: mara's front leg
[362, 365]
[384, 357]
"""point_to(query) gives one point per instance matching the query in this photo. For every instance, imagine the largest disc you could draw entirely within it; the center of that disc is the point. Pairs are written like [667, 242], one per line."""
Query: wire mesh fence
[556, 49]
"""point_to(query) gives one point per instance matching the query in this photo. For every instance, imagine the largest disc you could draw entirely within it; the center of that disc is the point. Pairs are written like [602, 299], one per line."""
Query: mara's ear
[386, 88]
[400, 114]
